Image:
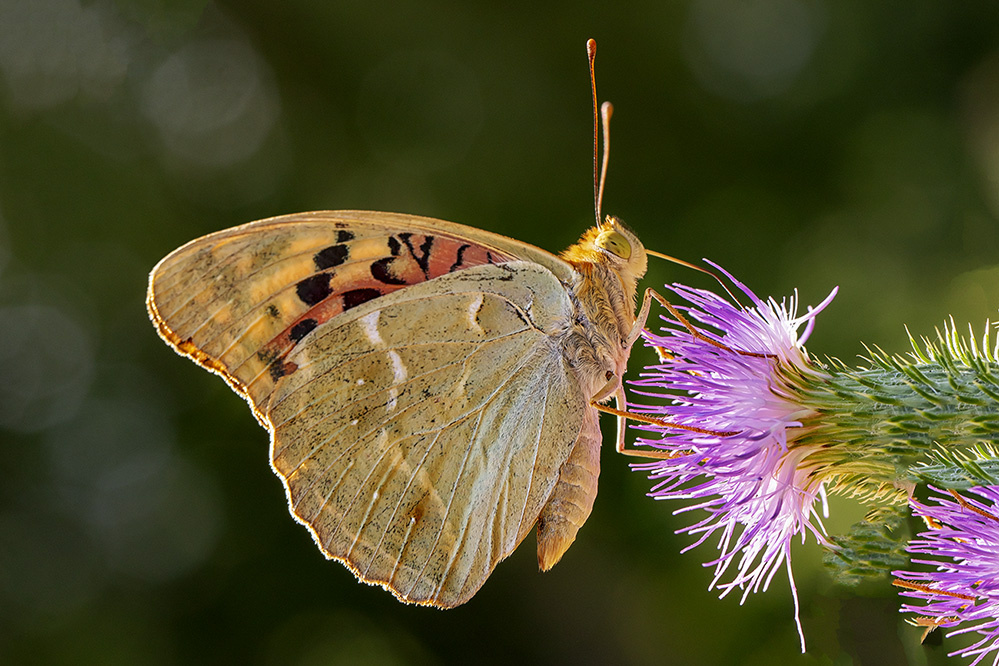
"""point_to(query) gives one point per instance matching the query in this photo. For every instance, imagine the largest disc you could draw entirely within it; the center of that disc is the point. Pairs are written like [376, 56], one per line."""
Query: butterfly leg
[619, 396]
[651, 420]
[643, 316]
[620, 399]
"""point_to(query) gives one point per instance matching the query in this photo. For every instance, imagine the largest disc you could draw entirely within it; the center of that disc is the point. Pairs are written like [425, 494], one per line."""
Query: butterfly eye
[615, 243]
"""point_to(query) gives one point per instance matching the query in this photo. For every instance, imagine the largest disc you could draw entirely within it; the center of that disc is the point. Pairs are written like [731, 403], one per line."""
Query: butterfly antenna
[606, 111]
[591, 54]
[601, 120]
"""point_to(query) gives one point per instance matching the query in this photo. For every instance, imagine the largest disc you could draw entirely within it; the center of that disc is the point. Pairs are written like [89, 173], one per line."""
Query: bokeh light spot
[153, 513]
[748, 50]
[46, 365]
[981, 116]
[212, 103]
[51, 50]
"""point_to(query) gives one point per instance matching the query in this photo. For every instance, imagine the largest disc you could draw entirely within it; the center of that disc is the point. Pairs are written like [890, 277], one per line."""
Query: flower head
[751, 477]
[963, 588]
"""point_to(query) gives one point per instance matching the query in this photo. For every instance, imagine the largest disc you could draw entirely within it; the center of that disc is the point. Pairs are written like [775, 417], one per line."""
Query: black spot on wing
[314, 289]
[279, 369]
[380, 271]
[344, 236]
[355, 297]
[425, 249]
[301, 329]
[422, 256]
[394, 246]
[459, 258]
[272, 311]
[509, 273]
[332, 256]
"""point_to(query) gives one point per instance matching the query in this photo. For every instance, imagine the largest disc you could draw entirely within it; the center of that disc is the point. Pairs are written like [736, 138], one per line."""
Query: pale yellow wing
[421, 433]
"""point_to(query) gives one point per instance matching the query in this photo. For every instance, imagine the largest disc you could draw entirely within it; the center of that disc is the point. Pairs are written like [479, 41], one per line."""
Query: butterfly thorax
[608, 261]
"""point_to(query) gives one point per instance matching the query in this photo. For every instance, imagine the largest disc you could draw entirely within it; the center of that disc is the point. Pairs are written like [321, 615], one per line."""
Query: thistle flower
[963, 587]
[764, 431]
[755, 484]
[755, 432]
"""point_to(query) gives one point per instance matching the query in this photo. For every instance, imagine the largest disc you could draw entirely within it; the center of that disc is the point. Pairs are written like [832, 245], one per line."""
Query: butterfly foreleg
[643, 316]
[664, 354]
[619, 396]
[622, 413]
[662, 423]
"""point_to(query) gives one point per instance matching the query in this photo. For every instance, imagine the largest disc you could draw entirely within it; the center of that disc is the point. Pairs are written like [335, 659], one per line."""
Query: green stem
[868, 427]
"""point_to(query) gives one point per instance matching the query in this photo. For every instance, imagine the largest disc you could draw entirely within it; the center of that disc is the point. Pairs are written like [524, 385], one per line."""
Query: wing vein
[219, 267]
[374, 497]
[333, 434]
[395, 512]
[380, 424]
[534, 464]
[450, 502]
[320, 399]
[332, 414]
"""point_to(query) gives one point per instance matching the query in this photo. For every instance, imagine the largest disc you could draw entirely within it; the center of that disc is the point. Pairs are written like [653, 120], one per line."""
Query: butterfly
[429, 388]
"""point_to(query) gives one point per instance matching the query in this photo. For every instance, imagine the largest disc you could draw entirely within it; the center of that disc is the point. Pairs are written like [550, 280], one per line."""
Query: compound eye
[613, 381]
[615, 243]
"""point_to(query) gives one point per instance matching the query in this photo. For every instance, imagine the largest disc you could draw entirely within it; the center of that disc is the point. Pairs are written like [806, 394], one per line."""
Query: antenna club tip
[591, 47]
[607, 109]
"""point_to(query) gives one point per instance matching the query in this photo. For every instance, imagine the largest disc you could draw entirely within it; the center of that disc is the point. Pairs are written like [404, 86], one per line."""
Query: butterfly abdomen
[572, 500]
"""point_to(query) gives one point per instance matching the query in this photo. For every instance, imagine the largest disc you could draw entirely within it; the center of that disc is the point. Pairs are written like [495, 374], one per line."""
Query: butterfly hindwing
[421, 434]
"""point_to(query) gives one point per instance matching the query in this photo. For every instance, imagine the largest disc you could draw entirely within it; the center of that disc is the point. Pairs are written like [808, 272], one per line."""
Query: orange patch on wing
[356, 275]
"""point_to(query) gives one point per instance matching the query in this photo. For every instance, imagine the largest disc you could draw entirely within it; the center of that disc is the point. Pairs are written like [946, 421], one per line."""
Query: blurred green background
[799, 143]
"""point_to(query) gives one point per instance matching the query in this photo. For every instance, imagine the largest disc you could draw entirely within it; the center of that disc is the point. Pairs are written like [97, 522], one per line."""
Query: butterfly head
[613, 245]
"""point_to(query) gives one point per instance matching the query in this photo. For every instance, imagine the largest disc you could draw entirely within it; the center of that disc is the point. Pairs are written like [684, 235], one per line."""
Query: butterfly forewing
[238, 301]
[432, 468]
